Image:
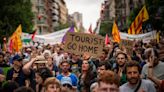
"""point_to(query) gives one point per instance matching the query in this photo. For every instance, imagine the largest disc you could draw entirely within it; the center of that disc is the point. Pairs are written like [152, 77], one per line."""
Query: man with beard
[135, 83]
[66, 75]
[121, 59]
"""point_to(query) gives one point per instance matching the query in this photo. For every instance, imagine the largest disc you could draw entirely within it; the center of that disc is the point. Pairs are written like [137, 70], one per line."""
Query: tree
[156, 13]
[155, 10]
[62, 26]
[13, 13]
[106, 28]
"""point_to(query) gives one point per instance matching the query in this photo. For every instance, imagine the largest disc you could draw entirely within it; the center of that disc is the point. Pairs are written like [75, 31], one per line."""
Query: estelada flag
[136, 25]
[115, 33]
[15, 39]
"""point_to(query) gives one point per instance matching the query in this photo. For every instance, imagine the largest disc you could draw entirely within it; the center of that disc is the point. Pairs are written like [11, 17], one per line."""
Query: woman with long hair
[87, 76]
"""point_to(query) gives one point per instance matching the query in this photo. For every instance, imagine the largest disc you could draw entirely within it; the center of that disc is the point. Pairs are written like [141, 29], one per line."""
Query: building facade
[55, 13]
[48, 14]
[118, 10]
[63, 11]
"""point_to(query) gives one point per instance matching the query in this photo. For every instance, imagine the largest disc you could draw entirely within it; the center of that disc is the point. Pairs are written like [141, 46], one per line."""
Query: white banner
[56, 37]
[52, 38]
[145, 37]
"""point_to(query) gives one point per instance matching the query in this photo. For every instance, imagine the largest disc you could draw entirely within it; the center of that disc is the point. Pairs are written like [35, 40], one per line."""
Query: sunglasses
[67, 85]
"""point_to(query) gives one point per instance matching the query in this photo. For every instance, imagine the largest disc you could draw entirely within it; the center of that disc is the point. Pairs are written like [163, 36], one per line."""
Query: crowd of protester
[48, 68]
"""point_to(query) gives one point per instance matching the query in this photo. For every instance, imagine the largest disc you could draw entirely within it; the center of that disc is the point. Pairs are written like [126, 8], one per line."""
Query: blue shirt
[72, 76]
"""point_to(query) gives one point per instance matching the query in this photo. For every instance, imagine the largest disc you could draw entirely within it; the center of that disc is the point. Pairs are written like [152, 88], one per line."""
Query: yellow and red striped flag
[136, 26]
[15, 39]
[115, 33]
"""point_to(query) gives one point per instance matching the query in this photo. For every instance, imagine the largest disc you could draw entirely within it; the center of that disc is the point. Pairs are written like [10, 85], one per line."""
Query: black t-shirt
[75, 66]
[21, 77]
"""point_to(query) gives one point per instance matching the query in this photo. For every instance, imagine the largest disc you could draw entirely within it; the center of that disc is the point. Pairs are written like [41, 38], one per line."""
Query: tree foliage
[106, 28]
[155, 10]
[156, 13]
[62, 26]
[13, 13]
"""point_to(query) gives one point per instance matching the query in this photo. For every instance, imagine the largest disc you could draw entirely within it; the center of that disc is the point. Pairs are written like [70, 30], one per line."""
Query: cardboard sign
[79, 43]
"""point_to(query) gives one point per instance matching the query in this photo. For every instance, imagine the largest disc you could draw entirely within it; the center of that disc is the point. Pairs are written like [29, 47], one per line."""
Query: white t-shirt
[157, 70]
[146, 85]
[58, 58]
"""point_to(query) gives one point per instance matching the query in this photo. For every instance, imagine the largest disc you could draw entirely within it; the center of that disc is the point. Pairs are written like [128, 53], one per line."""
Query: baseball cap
[66, 80]
[17, 58]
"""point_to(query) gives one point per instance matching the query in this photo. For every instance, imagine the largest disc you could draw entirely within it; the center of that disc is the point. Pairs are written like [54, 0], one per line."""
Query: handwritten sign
[79, 43]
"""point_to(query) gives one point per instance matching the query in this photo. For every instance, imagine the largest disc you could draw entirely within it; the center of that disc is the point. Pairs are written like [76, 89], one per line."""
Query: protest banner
[78, 43]
[51, 38]
[146, 37]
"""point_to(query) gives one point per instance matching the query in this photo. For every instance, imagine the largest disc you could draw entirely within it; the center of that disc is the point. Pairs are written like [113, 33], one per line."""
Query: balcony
[55, 12]
[55, 18]
[55, 6]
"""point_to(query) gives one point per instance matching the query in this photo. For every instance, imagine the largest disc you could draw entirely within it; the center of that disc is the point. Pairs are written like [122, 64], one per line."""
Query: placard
[79, 43]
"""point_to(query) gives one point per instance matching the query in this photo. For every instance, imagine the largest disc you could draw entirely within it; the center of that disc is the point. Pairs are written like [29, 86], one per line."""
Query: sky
[90, 10]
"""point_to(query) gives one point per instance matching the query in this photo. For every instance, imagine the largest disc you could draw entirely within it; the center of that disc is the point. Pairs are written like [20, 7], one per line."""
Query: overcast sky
[89, 8]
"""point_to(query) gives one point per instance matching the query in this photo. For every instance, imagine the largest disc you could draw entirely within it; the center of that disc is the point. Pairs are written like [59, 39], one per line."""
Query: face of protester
[103, 56]
[50, 65]
[107, 87]
[52, 88]
[49, 59]
[133, 75]
[38, 78]
[29, 52]
[149, 53]
[116, 50]
[65, 67]
[58, 50]
[85, 65]
[75, 57]
[17, 64]
[66, 55]
[41, 65]
[46, 55]
[121, 59]
[100, 70]
[1, 58]
[33, 55]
